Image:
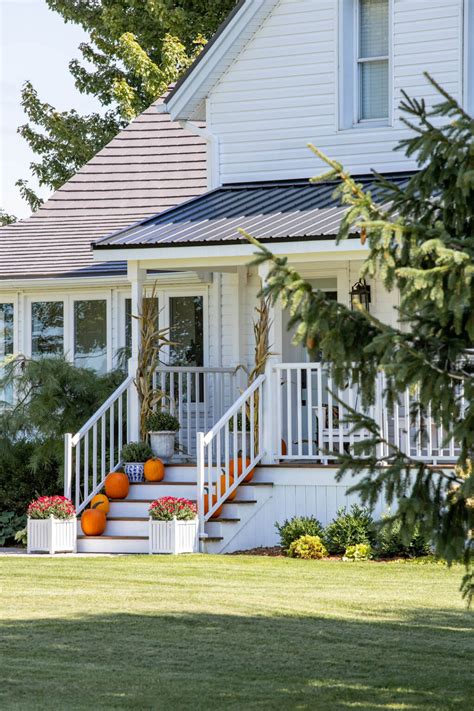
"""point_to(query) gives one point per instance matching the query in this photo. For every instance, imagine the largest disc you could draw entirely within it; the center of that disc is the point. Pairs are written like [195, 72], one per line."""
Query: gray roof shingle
[150, 166]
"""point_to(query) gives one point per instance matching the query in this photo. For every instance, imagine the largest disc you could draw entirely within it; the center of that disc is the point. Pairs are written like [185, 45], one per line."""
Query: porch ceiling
[271, 212]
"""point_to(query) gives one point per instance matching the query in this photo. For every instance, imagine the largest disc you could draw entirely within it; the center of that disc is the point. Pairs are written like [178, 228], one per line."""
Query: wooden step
[113, 538]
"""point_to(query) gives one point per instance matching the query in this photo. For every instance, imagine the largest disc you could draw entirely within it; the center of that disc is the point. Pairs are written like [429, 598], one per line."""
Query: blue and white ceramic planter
[135, 471]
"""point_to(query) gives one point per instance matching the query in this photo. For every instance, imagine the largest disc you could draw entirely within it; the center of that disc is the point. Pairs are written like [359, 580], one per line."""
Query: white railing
[198, 397]
[95, 450]
[235, 442]
[311, 413]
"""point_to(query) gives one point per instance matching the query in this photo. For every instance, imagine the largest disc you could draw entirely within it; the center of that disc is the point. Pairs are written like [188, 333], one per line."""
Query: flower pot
[52, 535]
[173, 536]
[134, 471]
[162, 444]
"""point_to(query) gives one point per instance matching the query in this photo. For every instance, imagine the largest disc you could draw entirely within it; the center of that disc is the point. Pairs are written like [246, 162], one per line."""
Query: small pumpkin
[101, 502]
[233, 494]
[93, 522]
[218, 511]
[117, 485]
[154, 469]
[249, 476]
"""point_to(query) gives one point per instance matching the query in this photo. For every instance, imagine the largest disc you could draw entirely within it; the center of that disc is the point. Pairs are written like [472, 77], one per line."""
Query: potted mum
[133, 456]
[173, 526]
[162, 427]
[52, 525]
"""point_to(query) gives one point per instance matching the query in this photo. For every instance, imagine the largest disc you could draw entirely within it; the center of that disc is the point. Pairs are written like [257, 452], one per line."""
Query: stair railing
[229, 451]
[94, 451]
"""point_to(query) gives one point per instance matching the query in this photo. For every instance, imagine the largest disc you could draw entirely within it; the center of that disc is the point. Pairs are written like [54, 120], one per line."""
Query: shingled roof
[150, 166]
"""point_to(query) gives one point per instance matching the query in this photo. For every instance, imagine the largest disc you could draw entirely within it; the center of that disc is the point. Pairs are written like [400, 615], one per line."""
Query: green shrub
[161, 421]
[10, 523]
[307, 547]
[361, 551]
[136, 452]
[349, 529]
[391, 543]
[21, 537]
[291, 530]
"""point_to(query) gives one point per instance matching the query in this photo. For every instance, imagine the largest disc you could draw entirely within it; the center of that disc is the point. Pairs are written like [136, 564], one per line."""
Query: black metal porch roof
[275, 211]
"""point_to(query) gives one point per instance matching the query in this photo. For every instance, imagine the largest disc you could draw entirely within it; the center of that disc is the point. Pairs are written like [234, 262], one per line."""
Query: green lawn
[210, 632]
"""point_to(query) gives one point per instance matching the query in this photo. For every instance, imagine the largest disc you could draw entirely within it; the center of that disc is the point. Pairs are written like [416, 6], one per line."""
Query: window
[186, 332]
[364, 63]
[47, 328]
[6, 346]
[90, 334]
[373, 59]
[128, 321]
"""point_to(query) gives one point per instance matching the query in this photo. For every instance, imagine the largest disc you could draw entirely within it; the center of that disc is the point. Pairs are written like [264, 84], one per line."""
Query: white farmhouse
[162, 204]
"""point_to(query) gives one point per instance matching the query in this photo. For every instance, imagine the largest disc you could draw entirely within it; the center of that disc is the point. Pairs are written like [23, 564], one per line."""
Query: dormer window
[364, 77]
[372, 59]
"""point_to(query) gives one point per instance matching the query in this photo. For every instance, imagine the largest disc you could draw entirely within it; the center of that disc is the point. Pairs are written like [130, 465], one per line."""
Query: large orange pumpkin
[117, 485]
[218, 511]
[93, 522]
[101, 503]
[233, 494]
[240, 469]
[154, 470]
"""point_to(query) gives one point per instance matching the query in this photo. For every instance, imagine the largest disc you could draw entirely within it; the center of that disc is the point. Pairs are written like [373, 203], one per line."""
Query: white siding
[281, 92]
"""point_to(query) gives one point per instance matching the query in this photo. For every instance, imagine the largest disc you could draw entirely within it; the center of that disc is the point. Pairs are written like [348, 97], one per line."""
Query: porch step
[112, 544]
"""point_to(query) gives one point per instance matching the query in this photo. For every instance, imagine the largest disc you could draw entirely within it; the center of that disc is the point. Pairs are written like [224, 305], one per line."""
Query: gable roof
[275, 211]
[186, 100]
[150, 166]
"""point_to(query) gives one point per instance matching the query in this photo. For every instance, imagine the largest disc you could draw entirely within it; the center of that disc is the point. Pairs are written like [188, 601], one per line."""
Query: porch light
[360, 295]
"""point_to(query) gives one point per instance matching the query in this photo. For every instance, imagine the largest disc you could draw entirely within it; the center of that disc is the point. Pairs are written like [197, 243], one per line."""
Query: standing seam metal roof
[269, 211]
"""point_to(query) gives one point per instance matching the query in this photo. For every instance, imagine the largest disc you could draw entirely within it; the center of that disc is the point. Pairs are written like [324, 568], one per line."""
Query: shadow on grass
[205, 661]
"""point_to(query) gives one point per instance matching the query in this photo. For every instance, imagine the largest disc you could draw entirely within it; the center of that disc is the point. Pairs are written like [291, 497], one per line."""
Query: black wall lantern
[360, 295]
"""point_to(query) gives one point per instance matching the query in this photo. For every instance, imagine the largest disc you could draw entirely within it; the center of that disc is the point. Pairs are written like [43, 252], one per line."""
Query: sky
[35, 44]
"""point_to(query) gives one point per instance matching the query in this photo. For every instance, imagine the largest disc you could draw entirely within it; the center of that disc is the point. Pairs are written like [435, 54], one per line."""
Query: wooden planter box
[52, 535]
[173, 536]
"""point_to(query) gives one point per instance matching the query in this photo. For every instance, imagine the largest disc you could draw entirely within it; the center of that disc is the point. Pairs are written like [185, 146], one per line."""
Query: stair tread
[223, 519]
[114, 538]
[127, 518]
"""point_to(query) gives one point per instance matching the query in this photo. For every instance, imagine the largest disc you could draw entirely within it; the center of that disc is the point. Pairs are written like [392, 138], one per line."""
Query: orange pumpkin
[101, 502]
[218, 511]
[233, 494]
[249, 476]
[154, 470]
[93, 522]
[117, 485]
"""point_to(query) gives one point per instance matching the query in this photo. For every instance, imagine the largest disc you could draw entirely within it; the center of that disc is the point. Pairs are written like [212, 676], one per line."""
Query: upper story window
[364, 81]
[372, 59]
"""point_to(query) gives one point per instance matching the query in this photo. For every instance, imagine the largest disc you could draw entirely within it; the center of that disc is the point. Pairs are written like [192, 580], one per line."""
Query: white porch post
[275, 341]
[136, 277]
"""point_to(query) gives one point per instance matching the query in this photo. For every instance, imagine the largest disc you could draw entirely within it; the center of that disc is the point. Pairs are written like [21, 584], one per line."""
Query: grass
[220, 632]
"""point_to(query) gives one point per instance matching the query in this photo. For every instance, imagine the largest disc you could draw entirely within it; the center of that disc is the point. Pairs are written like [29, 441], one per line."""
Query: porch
[287, 427]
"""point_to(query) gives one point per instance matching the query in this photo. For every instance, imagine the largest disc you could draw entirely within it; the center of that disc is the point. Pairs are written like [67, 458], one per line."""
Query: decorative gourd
[233, 494]
[93, 522]
[117, 485]
[249, 476]
[154, 470]
[101, 503]
[218, 511]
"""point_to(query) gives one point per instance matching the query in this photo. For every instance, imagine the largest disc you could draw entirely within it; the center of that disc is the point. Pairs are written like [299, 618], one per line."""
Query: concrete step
[112, 544]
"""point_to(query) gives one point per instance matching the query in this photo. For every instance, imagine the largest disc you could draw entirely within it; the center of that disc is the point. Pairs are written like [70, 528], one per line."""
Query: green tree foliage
[5, 218]
[136, 49]
[53, 397]
[422, 244]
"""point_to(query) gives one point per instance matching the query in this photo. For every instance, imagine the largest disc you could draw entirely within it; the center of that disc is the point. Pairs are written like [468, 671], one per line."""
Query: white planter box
[52, 535]
[173, 536]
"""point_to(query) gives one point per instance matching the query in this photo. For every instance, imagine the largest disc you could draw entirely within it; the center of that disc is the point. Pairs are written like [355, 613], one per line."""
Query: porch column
[136, 276]
[275, 341]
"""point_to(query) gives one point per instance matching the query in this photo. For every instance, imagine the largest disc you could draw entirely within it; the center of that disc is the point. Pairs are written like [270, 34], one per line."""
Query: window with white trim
[364, 77]
[372, 59]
